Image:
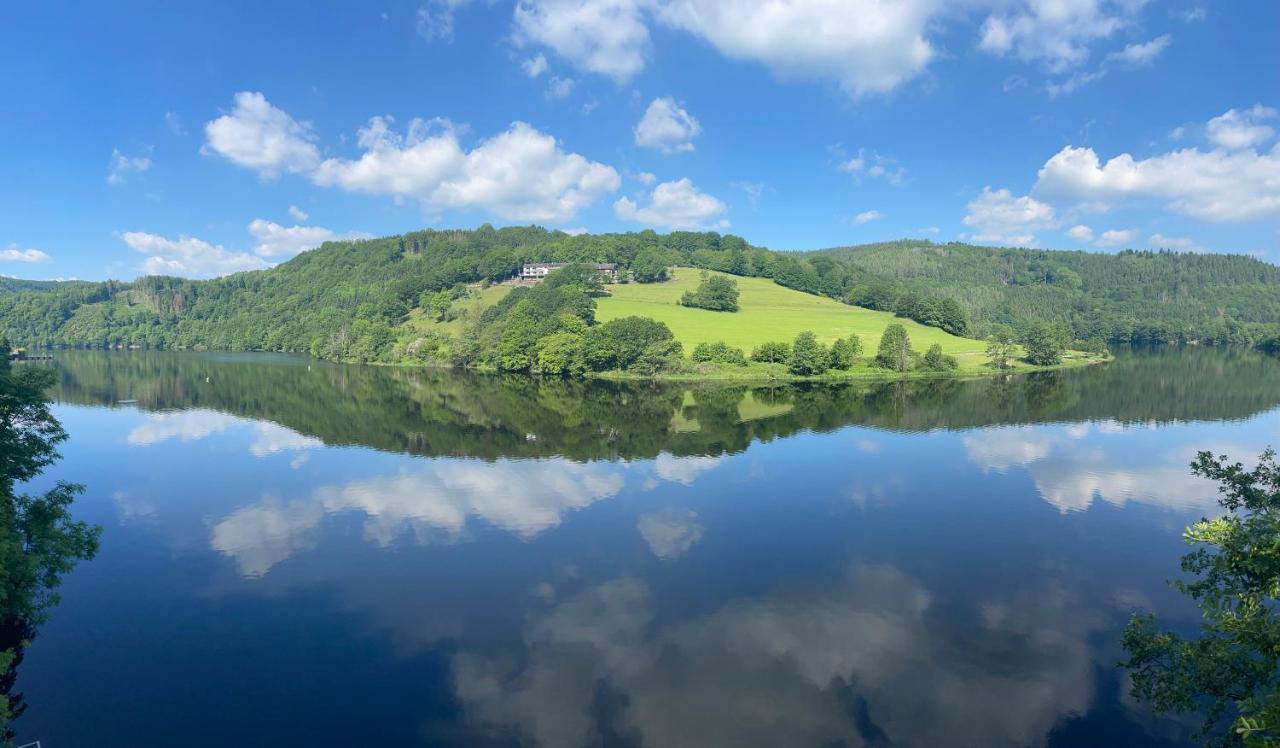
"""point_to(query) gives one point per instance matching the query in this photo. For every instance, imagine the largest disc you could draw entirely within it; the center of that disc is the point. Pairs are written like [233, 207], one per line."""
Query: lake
[299, 553]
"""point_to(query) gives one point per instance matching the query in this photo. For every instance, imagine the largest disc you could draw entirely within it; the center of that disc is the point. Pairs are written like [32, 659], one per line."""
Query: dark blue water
[300, 554]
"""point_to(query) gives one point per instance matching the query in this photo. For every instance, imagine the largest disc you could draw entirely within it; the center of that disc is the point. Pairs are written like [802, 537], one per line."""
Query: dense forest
[348, 300]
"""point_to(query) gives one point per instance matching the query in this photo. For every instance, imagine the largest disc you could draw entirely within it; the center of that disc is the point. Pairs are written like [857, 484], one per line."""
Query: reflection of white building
[536, 271]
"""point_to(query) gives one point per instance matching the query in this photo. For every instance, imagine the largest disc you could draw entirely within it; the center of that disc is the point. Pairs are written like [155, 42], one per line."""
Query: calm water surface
[305, 554]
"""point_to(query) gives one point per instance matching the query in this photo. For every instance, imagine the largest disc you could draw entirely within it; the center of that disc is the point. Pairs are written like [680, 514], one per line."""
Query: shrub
[935, 360]
[715, 292]
[1045, 342]
[629, 342]
[649, 266]
[720, 353]
[895, 349]
[561, 353]
[772, 353]
[844, 351]
[808, 356]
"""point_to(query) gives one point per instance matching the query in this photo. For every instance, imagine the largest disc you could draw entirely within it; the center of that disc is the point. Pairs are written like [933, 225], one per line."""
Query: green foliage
[1045, 342]
[715, 292]
[935, 360]
[1231, 671]
[561, 353]
[39, 541]
[844, 352]
[772, 353]
[649, 266]
[1002, 347]
[630, 343]
[720, 353]
[808, 356]
[895, 349]
[438, 304]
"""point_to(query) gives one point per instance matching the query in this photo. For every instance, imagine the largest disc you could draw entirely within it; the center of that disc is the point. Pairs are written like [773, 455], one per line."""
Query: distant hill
[14, 285]
[355, 297]
[1138, 296]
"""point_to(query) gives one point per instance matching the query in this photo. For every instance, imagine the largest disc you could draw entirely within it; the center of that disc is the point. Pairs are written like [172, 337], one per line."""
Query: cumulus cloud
[998, 217]
[14, 254]
[188, 256]
[1242, 129]
[1080, 233]
[121, 166]
[1116, 237]
[1217, 185]
[872, 638]
[865, 46]
[258, 136]
[523, 498]
[297, 214]
[1055, 33]
[670, 533]
[596, 36]
[673, 205]
[520, 174]
[867, 216]
[276, 242]
[645, 177]
[667, 127]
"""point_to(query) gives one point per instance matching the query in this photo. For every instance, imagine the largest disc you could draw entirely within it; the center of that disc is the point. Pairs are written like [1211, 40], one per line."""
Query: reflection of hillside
[445, 413]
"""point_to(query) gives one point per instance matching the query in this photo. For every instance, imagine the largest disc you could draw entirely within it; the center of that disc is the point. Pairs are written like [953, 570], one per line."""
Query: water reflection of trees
[446, 413]
[39, 541]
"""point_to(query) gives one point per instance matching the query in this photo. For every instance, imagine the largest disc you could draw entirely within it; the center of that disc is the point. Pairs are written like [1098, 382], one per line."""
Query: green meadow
[769, 312]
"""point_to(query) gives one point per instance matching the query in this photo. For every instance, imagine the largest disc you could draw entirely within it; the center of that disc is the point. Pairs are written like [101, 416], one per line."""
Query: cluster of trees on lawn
[714, 292]
[349, 300]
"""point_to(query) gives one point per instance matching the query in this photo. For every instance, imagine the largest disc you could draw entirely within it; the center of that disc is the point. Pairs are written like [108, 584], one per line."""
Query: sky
[199, 139]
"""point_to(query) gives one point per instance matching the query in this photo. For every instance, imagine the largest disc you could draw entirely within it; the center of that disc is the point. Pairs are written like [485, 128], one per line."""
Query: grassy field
[768, 312]
[468, 310]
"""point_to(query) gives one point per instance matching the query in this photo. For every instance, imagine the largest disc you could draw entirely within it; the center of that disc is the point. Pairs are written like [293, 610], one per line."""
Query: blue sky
[200, 139]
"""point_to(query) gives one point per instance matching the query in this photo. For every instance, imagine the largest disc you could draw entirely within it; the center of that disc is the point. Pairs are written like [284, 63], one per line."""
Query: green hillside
[767, 312]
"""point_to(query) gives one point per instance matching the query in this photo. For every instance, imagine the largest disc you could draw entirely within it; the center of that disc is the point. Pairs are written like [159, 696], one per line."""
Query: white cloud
[184, 425]
[645, 177]
[121, 166]
[670, 533]
[13, 254]
[673, 205]
[297, 214]
[188, 256]
[1242, 129]
[1177, 133]
[523, 498]
[1145, 53]
[1057, 33]
[866, 46]
[999, 217]
[558, 88]
[667, 127]
[520, 174]
[258, 136]
[535, 66]
[1080, 233]
[1217, 185]
[1116, 237]
[684, 470]
[867, 216]
[597, 36]
[276, 242]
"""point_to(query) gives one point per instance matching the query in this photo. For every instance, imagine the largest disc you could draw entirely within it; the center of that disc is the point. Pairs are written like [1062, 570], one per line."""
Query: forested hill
[1130, 296]
[350, 299]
